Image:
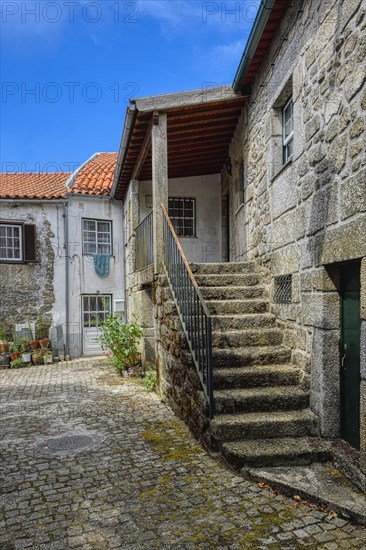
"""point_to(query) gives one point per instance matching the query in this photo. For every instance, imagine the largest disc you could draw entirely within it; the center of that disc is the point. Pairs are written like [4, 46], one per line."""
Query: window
[17, 242]
[282, 289]
[288, 130]
[96, 308]
[182, 213]
[97, 237]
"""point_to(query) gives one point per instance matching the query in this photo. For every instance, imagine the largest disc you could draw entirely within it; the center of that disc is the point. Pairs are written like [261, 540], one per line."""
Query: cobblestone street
[138, 479]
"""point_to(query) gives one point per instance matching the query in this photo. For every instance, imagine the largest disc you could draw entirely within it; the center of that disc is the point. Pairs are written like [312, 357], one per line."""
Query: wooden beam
[145, 148]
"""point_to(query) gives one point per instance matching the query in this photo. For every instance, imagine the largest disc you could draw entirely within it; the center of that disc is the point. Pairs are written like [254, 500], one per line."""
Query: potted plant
[5, 360]
[42, 333]
[37, 357]
[14, 348]
[33, 343]
[17, 363]
[26, 356]
[4, 346]
[47, 357]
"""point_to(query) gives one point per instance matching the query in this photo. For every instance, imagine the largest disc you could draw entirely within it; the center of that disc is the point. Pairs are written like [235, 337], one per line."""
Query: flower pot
[33, 344]
[37, 358]
[44, 342]
[47, 358]
[4, 348]
[15, 355]
[26, 357]
[5, 360]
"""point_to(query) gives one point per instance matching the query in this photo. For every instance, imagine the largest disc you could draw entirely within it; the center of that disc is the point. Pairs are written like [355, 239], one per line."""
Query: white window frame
[193, 218]
[20, 229]
[87, 311]
[96, 242]
[287, 140]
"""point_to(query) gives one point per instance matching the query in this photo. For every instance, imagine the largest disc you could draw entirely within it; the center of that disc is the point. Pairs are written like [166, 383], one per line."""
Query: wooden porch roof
[200, 125]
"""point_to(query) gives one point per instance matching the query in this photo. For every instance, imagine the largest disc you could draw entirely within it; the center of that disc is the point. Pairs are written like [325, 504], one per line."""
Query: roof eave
[255, 35]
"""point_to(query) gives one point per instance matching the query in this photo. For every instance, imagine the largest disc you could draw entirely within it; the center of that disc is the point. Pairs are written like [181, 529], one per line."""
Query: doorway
[95, 309]
[225, 217]
[350, 376]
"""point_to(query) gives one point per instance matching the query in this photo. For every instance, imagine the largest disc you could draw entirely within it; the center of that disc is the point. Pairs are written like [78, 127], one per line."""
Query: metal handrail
[144, 249]
[192, 309]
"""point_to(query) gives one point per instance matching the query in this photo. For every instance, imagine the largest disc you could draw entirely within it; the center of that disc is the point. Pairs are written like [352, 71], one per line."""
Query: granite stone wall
[27, 290]
[179, 383]
[306, 217]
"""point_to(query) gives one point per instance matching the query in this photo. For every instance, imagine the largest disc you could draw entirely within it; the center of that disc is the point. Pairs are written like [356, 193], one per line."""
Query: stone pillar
[159, 184]
[363, 366]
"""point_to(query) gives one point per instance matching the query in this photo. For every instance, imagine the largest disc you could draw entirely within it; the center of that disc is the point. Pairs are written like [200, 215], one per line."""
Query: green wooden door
[350, 354]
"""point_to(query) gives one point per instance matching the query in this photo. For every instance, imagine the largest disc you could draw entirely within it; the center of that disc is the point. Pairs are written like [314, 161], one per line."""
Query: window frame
[18, 226]
[193, 218]
[96, 221]
[286, 141]
[89, 312]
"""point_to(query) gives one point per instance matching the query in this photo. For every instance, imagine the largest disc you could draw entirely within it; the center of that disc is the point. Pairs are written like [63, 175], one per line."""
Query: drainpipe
[66, 249]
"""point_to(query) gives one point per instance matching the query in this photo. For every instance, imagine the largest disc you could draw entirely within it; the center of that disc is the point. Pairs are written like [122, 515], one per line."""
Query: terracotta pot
[33, 344]
[15, 355]
[44, 342]
[4, 348]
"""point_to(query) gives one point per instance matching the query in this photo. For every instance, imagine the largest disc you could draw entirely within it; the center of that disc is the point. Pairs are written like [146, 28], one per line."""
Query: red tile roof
[96, 176]
[31, 185]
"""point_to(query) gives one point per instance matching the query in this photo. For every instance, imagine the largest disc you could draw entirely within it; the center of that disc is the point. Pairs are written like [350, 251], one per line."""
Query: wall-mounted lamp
[228, 166]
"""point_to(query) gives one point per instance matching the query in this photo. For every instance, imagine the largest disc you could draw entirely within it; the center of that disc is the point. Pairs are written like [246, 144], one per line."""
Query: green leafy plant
[24, 344]
[41, 328]
[122, 339]
[149, 378]
[17, 363]
[3, 335]
[14, 345]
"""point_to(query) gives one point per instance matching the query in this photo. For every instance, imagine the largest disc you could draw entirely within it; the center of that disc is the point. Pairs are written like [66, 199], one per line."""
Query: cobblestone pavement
[144, 482]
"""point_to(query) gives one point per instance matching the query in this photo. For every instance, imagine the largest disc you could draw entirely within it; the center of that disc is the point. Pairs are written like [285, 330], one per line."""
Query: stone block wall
[310, 214]
[179, 383]
[27, 290]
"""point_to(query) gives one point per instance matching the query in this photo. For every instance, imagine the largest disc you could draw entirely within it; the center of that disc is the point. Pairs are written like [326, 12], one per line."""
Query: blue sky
[69, 68]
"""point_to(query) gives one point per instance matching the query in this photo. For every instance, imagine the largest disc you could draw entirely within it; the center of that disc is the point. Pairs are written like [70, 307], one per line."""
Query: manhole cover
[68, 443]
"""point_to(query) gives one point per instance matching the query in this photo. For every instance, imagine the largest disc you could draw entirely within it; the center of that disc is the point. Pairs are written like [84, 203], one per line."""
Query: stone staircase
[262, 411]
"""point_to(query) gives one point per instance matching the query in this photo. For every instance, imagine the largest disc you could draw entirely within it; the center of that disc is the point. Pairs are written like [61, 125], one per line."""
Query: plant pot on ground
[27, 357]
[37, 357]
[47, 358]
[44, 342]
[5, 360]
[33, 344]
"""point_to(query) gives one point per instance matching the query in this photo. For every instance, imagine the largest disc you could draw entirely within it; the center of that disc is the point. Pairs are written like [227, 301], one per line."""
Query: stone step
[256, 376]
[261, 425]
[247, 337]
[227, 279]
[241, 357]
[233, 292]
[239, 322]
[238, 306]
[277, 398]
[218, 268]
[285, 451]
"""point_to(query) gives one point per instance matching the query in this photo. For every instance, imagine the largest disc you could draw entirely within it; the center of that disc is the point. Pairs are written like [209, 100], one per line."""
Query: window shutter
[29, 234]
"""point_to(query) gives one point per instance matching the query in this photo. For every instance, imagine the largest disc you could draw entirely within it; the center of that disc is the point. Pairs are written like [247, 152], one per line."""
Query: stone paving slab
[143, 483]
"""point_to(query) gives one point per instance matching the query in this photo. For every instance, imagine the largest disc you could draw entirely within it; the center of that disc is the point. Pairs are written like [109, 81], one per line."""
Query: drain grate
[68, 443]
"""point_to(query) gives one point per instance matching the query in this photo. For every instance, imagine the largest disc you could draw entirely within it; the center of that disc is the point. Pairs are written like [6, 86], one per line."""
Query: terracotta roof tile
[96, 176]
[31, 185]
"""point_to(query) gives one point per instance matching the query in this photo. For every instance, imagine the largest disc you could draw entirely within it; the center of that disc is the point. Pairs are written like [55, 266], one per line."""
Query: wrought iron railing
[192, 309]
[144, 255]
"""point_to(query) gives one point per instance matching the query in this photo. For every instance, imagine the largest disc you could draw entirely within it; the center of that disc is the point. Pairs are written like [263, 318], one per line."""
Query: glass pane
[2, 231]
[90, 248]
[89, 225]
[93, 303]
[104, 226]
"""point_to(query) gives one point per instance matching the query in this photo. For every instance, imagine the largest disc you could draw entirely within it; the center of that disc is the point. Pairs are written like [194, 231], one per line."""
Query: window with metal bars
[282, 289]
[182, 212]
